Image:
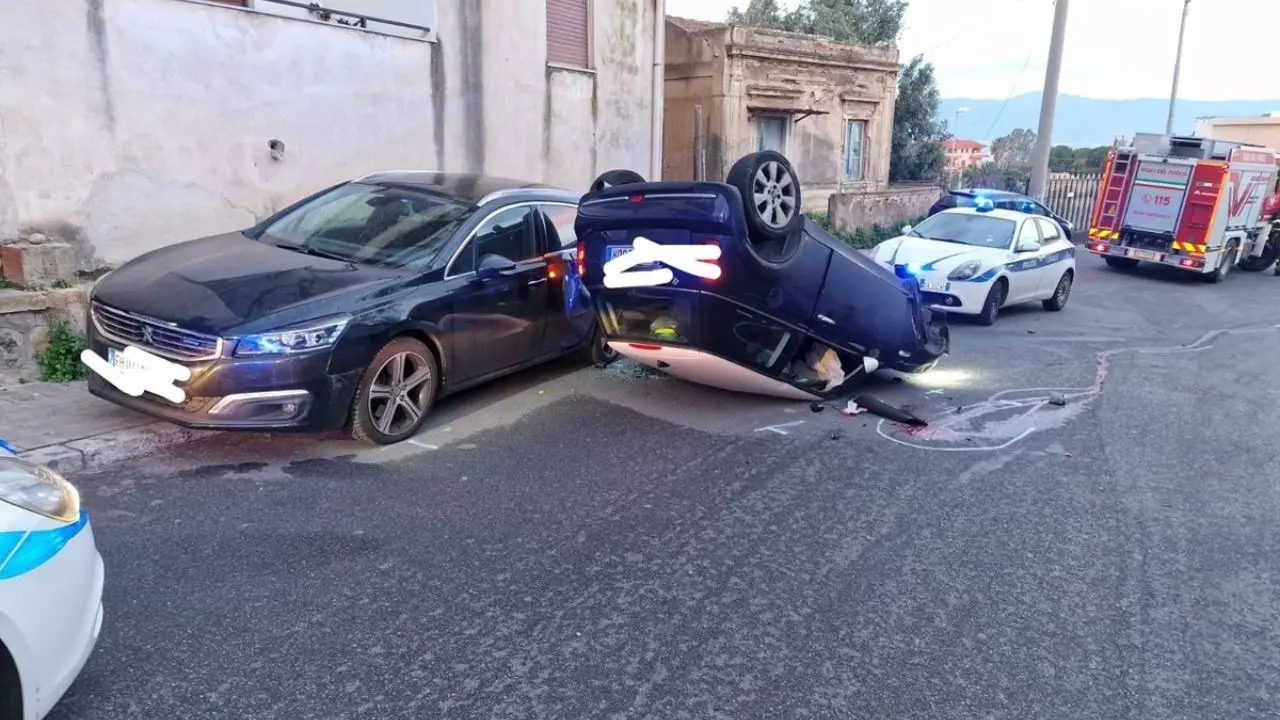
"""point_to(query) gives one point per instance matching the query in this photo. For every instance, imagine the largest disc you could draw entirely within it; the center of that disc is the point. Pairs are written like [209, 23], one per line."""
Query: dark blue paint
[1024, 265]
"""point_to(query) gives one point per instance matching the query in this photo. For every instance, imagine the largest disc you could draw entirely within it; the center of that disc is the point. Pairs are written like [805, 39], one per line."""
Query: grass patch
[60, 361]
[862, 238]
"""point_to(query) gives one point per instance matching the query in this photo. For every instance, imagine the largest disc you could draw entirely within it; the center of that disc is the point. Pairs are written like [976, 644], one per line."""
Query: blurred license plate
[616, 251]
[1144, 255]
[935, 285]
[120, 362]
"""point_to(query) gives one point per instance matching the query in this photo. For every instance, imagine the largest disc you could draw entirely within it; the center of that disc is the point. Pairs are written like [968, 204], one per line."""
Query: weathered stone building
[827, 106]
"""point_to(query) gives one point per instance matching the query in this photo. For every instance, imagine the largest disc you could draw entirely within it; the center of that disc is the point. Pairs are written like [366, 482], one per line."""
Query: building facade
[1263, 130]
[960, 155]
[131, 124]
[735, 89]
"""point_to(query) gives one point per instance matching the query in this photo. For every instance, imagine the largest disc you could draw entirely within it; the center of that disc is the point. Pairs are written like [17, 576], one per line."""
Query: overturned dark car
[730, 285]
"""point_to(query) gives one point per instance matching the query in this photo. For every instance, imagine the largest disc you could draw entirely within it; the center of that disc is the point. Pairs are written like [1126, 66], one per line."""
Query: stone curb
[91, 452]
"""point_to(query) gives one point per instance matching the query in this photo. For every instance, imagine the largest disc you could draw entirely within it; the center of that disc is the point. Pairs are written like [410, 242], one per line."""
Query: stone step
[37, 265]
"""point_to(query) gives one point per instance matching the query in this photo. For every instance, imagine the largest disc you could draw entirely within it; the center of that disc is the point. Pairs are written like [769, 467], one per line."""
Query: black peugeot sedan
[358, 306]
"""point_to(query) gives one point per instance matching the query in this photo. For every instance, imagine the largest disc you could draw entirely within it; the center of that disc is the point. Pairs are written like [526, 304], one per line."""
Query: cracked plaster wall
[127, 125]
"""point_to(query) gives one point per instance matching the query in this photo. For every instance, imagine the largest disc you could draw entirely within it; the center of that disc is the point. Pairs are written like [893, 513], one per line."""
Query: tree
[1013, 151]
[916, 152]
[859, 22]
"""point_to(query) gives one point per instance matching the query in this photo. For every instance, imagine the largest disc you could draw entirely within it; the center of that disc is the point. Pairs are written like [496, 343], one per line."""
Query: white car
[50, 587]
[977, 260]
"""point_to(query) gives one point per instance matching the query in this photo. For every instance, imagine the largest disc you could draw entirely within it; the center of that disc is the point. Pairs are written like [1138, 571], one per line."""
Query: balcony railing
[345, 17]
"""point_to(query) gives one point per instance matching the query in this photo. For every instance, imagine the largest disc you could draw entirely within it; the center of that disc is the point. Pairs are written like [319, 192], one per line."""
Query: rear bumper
[1167, 257]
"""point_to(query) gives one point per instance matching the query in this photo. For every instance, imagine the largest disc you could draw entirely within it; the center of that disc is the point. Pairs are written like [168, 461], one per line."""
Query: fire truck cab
[1188, 202]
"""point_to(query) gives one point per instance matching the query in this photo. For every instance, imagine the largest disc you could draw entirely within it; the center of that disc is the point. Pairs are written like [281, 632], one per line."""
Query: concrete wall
[734, 71]
[890, 207]
[1257, 131]
[126, 125]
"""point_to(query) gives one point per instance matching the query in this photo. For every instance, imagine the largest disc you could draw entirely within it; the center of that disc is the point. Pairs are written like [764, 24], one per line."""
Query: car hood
[933, 255]
[220, 284]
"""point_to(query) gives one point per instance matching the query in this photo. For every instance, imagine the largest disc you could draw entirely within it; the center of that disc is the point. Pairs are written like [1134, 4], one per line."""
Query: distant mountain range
[1086, 122]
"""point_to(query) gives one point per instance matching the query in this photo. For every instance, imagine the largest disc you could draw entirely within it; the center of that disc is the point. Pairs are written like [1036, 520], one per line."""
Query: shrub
[60, 360]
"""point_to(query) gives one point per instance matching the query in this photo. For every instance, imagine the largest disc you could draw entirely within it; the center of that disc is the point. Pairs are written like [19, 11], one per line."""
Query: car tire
[768, 175]
[1061, 292]
[599, 353]
[614, 178]
[1121, 263]
[403, 379]
[995, 300]
[1225, 267]
[1270, 252]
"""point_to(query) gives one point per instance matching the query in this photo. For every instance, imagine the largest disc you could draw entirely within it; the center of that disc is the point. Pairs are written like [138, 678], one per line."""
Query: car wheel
[1058, 300]
[995, 299]
[396, 392]
[1121, 263]
[614, 178]
[599, 353]
[1270, 252]
[770, 193]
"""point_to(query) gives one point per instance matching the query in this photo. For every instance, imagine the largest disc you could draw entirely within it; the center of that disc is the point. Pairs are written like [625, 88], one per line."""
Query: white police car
[50, 587]
[977, 260]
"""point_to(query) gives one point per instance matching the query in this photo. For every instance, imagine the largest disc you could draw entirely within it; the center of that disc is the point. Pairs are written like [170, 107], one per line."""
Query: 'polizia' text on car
[975, 261]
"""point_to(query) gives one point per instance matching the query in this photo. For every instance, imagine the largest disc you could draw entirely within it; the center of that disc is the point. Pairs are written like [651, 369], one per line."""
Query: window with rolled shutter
[569, 33]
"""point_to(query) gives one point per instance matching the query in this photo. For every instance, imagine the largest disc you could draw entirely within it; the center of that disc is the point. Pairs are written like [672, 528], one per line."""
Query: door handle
[826, 320]
[539, 281]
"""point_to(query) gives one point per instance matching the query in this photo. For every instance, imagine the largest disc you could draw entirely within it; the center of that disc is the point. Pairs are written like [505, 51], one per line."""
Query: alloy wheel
[774, 194]
[399, 394]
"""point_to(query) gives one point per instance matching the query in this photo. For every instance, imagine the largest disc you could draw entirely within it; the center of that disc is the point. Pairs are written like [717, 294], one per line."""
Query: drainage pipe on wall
[659, 86]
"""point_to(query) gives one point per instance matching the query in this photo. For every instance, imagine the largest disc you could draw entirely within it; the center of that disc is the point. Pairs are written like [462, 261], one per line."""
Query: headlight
[38, 489]
[966, 270]
[302, 338]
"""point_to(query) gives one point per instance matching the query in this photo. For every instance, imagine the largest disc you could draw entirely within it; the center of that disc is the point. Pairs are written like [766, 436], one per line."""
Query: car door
[1055, 251]
[1024, 270]
[570, 316]
[498, 321]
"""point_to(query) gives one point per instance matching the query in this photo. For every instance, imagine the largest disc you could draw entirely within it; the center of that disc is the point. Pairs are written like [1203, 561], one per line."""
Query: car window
[1049, 230]
[1029, 232]
[966, 228]
[561, 218]
[507, 233]
[372, 224]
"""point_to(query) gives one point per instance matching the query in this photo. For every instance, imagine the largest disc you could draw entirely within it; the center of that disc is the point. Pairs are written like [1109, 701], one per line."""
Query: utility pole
[1048, 103]
[1177, 68]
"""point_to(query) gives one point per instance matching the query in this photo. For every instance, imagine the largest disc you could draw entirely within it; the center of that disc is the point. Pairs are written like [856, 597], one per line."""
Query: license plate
[616, 251]
[1144, 255]
[120, 362]
[935, 285]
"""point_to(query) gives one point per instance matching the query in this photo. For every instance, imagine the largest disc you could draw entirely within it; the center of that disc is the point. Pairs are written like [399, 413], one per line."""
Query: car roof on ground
[1013, 215]
[471, 188]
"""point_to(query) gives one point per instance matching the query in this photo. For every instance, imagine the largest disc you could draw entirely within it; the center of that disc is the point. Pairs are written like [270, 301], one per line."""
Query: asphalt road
[609, 544]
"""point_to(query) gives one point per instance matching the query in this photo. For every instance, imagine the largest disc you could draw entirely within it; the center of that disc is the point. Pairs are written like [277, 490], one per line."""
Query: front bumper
[288, 392]
[50, 619]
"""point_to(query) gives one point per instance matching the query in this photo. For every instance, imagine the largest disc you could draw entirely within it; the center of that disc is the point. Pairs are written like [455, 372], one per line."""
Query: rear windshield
[967, 229]
[633, 316]
[370, 224]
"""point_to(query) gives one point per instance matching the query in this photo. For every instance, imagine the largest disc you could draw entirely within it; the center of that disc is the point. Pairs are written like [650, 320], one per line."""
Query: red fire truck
[1189, 202]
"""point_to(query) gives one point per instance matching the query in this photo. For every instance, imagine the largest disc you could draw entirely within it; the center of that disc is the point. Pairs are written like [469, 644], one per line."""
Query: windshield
[967, 229]
[370, 224]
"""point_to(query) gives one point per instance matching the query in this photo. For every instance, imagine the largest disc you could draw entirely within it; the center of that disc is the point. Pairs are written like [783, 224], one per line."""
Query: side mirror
[1066, 225]
[906, 229]
[494, 266]
[1026, 246]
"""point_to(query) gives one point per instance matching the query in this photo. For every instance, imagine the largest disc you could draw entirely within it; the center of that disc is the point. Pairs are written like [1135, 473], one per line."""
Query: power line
[1012, 90]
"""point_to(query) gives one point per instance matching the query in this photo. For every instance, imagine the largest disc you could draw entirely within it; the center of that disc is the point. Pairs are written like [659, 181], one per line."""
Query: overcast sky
[1116, 49]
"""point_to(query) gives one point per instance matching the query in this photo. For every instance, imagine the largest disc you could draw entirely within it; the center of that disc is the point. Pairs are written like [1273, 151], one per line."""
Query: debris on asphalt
[825, 363]
[852, 409]
[817, 407]
[1057, 399]
[889, 412]
[630, 370]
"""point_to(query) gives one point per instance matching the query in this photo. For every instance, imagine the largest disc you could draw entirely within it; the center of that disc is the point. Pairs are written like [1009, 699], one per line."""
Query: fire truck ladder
[1113, 195]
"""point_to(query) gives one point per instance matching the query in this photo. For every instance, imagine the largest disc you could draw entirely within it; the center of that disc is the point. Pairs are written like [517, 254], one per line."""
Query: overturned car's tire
[770, 195]
[614, 178]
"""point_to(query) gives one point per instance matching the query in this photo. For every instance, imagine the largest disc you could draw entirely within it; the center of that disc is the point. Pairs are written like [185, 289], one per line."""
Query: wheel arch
[11, 698]
[427, 337]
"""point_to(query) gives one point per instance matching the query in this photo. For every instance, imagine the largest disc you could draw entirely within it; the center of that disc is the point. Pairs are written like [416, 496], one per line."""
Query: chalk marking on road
[779, 428]
[962, 426]
[419, 443]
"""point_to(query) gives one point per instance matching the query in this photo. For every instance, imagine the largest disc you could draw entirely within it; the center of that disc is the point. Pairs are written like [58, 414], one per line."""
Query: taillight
[580, 258]
[1100, 247]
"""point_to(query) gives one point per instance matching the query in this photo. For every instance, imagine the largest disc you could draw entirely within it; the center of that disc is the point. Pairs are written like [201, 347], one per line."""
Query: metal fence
[1072, 197]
